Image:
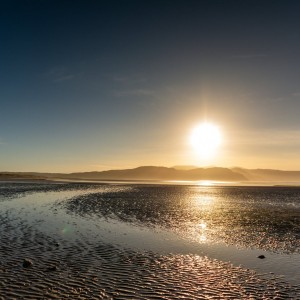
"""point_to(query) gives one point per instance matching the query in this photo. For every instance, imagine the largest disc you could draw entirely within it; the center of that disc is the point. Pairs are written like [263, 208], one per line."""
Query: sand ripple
[89, 270]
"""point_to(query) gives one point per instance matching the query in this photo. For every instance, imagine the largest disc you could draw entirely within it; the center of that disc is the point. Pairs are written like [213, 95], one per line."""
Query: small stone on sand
[27, 263]
[52, 269]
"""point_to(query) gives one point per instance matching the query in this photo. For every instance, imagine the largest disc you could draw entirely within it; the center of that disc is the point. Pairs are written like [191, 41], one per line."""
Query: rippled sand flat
[89, 241]
[264, 217]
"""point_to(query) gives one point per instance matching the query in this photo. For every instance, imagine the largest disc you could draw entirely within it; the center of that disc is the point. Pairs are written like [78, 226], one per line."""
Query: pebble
[52, 269]
[27, 263]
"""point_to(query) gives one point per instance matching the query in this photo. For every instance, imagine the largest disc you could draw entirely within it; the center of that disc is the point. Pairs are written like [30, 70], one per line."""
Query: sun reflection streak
[203, 205]
[203, 201]
[201, 232]
[202, 225]
[206, 183]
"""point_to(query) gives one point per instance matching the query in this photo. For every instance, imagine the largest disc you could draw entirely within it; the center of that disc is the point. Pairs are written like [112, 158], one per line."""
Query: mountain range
[163, 173]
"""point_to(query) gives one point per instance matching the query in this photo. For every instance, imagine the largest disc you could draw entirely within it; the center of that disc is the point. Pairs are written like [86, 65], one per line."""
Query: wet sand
[88, 241]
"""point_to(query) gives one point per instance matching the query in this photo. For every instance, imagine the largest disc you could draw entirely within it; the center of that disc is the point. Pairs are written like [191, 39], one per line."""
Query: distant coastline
[153, 173]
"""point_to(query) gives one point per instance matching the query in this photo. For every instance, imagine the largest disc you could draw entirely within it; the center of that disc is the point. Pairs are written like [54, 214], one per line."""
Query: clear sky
[93, 85]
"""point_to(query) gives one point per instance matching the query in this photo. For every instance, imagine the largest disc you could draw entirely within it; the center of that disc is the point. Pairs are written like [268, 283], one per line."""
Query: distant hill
[19, 176]
[185, 167]
[163, 173]
[268, 174]
[148, 173]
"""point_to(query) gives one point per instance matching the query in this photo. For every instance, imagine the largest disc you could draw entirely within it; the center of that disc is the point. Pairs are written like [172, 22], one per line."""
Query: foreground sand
[73, 259]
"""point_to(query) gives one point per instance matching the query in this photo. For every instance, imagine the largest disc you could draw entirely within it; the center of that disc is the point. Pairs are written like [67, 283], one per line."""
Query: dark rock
[27, 263]
[52, 269]
[261, 256]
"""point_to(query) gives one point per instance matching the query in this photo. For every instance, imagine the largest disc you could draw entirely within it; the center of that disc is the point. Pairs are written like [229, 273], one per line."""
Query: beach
[148, 241]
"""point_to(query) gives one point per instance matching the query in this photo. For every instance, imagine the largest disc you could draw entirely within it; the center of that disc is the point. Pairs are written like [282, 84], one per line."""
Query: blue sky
[93, 85]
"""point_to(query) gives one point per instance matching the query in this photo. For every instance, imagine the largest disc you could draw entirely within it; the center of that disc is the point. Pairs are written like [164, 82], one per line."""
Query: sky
[95, 85]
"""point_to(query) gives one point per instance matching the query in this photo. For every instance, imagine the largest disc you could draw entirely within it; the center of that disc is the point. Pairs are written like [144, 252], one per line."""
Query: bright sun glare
[205, 139]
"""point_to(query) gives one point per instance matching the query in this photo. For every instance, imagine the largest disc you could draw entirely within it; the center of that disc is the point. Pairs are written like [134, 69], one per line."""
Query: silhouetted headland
[189, 173]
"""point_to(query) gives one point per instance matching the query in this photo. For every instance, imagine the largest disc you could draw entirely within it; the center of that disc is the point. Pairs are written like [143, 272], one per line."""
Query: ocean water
[144, 241]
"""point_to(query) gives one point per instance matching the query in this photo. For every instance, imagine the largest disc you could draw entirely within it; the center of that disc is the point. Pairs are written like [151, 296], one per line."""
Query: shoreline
[204, 183]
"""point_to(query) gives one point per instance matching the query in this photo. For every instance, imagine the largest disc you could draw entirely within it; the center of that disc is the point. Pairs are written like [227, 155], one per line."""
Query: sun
[206, 139]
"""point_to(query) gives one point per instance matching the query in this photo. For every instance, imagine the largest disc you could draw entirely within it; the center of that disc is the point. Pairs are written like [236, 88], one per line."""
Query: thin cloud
[64, 78]
[249, 56]
[129, 79]
[280, 138]
[59, 74]
[274, 100]
[134, 93]
[55, 71]
[2, 142]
